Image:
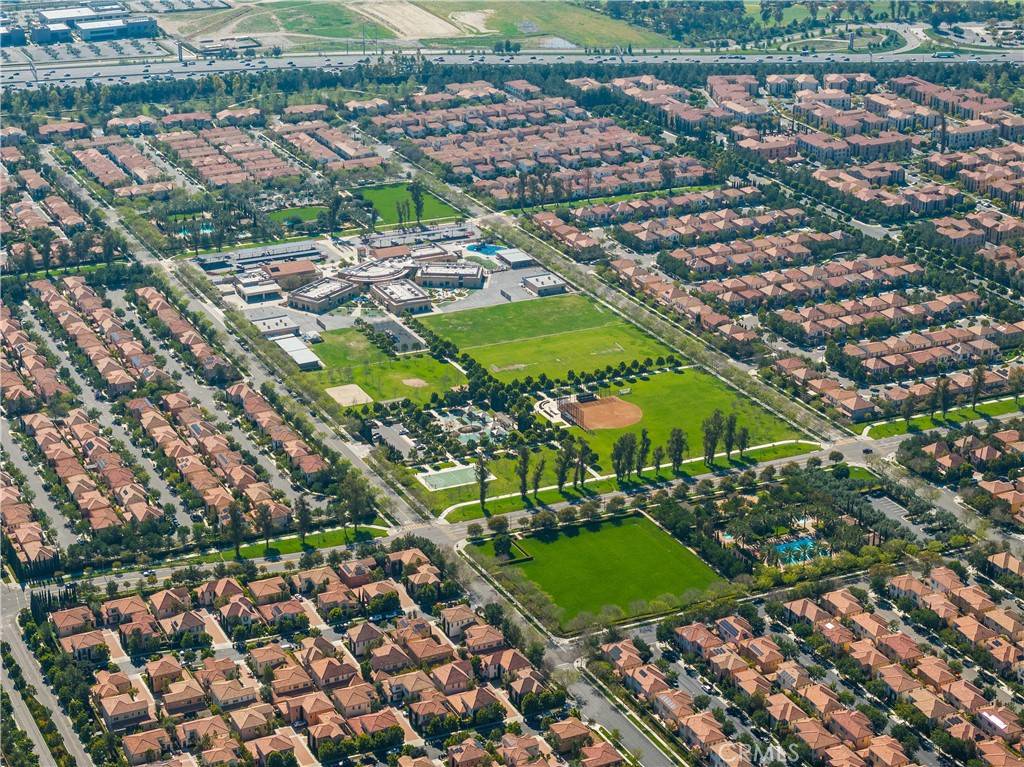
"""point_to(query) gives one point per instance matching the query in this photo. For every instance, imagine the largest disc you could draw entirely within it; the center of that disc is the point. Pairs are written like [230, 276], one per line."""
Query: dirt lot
[609, 413]
[407, 21]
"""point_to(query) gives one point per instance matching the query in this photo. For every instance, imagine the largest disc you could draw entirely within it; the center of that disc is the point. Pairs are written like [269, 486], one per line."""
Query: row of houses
[848, 318]
[723, 224]
[224, 156]
[32, 549]
[951, 455]
[211, 364]
[797, 284]
[327, 146]
[996, 172]
[642, 208]
[959, 386]
[568, 236]
[928, 350]
[754, 253]
[94, 475]
[119, 357]
[676, 299]
[478, 117]
[867, 183]
[283, 438]
[115, 162]
[909, 673]
[27, 379]
[971, 232]
[813, 383]
[217, 473]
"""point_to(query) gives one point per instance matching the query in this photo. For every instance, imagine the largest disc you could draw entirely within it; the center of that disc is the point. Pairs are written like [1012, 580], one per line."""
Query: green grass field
[528, 21]
[385, 197]
[625, 564]
[684, 399]
[550, 335]
[305, 213]
[322, 19]
[349, 357]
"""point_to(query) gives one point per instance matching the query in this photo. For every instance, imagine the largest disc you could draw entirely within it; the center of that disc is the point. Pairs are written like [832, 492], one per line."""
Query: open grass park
[622, 567]
[683, 399]
[548, 335]
[953, 418]
[350, 359]
[538, 24]
[385, 197]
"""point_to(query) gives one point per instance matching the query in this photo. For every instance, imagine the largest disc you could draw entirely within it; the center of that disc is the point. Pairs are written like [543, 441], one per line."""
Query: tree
[416, 195]
[712, 429]
[658, 457]
[565, 458]
[42, 239]
[265, 523]
[1016, 381]
[942, 388]
[977, 384]
[523, 469]
[538, 474]
[502, 545]
[236, 527]
[584, 455]
[678, 444]
[729, 435]
[624, 451]
[481, 477]
[642, 451]
[742, 440]
[907, 409]
[668, 173]
[303, 518]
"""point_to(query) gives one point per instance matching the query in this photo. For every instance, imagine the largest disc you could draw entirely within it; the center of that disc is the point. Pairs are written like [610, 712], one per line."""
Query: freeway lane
[79, 73]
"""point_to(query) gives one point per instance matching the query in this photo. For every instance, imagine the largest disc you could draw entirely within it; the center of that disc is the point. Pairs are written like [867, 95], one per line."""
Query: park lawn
[322, 19]
[684, 399]
[505, 481]
[623, 563]
[304, 213]
[349, 357]
[593, 487]
[549, 335]
[291, 544]
[795, 12]
[384, 199]
[518, 20]
[953, 418]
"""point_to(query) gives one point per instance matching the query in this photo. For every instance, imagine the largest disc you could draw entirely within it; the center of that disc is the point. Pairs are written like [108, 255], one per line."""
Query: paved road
[20, 77]
[23, 718]
[12, 600]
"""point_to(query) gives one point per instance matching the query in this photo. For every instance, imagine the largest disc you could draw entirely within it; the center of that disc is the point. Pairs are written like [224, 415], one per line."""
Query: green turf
[384, 199]
[506, 482]
[625, 563]
[953, 418]
[291, 545]
[349, 357]
[322, 19]
[518, 20]
[684, 399]
[305, 213]
[549, 335]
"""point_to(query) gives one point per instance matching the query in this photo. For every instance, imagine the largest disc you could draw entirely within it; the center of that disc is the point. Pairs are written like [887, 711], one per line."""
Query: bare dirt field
[415, 383]
[407, 21]
[348, 395]
[474, 21]
[609, 413]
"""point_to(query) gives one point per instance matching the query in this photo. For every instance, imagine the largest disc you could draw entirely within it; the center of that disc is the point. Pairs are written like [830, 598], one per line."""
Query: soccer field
[385, 197]
[625, 564]
[548, 335]
[684, 399]
[350, 358]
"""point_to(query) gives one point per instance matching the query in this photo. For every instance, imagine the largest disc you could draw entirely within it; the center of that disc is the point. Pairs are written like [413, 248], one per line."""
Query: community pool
[485, 248]
[799, 550]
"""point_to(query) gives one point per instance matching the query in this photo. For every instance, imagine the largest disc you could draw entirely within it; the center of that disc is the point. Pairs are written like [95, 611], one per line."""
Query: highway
[78, 73]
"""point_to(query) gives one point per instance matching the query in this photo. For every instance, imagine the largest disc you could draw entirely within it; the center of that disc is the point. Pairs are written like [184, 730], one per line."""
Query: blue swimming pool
[485, 248]
[797, 550]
